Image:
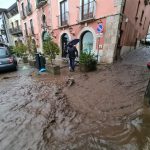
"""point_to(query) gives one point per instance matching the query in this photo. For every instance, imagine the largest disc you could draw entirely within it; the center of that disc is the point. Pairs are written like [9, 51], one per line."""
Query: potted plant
[51, 49]
[87, 62]
[20, 50]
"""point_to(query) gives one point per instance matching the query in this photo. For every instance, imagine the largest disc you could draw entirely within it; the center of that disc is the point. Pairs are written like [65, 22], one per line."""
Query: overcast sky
[6, 3]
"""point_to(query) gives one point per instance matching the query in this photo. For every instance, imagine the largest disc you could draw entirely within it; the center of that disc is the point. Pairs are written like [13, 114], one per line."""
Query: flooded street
[103, 110]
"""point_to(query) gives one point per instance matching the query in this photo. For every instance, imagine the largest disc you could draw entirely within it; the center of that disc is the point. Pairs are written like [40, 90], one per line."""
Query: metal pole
[98, 48]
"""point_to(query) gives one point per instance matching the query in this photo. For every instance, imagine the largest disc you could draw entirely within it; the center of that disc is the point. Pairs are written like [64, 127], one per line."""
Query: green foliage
[20, 49]
[51, 49]
[11, 49]
[31, 46]
[88, 60]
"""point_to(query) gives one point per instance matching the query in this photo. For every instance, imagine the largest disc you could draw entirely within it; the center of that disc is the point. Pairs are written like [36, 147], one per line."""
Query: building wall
[15, 37]
[108, 14]
[134, 26]
[36, 16]
[102, 10]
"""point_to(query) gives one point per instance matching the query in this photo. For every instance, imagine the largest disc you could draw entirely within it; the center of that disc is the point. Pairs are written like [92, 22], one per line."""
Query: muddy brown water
[35, 115]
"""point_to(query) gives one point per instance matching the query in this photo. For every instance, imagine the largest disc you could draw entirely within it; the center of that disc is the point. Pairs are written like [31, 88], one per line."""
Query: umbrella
[74, 42]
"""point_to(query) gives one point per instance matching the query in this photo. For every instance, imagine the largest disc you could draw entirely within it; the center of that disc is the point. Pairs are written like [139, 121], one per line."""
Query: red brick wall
[132, 26]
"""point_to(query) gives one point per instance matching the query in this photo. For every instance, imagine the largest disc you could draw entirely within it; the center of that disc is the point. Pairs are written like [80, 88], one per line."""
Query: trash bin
[40, 61]
[37, 58]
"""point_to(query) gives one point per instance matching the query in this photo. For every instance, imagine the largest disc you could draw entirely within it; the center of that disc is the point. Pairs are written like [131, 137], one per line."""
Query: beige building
[14, 24]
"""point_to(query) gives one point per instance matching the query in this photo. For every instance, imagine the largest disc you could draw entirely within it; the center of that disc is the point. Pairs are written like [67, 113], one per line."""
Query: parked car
[7, 60]
[147, 40]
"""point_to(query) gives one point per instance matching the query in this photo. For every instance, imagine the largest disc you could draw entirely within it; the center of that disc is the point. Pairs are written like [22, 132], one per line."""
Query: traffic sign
[100, 28]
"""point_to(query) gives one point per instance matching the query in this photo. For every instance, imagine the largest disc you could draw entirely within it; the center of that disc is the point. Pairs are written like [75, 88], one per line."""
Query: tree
[31, 46]
[20, 49]
[51, 49]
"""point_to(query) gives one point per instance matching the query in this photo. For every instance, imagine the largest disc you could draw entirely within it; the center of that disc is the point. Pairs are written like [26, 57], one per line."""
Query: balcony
[87, 11]
[29, 9]
[15, 31]
[22, 14]
[40, 3]
[63, 19]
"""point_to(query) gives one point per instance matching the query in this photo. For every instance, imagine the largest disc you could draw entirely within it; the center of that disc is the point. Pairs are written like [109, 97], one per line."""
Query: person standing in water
[72, 53]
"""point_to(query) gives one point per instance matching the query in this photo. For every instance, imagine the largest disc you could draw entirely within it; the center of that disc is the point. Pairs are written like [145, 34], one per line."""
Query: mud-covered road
[97, 111]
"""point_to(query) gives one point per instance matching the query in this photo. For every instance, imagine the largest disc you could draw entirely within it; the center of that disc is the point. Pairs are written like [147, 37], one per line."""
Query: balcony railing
[29, 9]
[41, 3]
[63, 19]
[22, 14]
[15, 31]
[87, 11]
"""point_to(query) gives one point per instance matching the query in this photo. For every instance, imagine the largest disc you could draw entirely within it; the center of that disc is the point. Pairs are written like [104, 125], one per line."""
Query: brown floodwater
[35, 115]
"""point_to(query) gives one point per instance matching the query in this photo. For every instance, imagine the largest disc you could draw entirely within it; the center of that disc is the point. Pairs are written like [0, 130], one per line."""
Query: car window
[148, 36]
[3, 52]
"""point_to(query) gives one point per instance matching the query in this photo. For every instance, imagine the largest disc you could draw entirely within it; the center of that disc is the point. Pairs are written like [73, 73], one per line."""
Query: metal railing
[16, 30]
[40, 3]
[87, 11]
[63, 19]
[29, 9]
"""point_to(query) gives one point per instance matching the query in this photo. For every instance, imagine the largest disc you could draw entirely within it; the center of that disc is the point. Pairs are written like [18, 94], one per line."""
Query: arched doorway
[64, 42]
[87, 42]
[45, 36]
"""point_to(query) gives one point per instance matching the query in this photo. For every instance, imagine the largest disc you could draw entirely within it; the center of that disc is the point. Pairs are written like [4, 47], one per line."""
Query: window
[136, 17]
[87, 9]
[142, 16]
[87, 42]
[22, 6]
[26, 30]
[63, 12]
[3, 52]
[12, 24]
[17, 24]
[31, 25]
[45, 36]
[44, 21]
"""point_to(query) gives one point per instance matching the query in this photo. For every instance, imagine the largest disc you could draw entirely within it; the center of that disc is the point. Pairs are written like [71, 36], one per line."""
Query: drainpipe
[118, 50]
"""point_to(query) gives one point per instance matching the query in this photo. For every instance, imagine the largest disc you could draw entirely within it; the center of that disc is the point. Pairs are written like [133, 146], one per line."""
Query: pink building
[36, 20]
[80, 19]
[97, 23]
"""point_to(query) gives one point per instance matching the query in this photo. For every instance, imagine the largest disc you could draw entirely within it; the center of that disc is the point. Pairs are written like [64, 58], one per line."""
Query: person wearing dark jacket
[72, 53]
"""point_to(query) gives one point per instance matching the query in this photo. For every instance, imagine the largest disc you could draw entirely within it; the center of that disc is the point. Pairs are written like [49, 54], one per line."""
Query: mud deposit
[96, 111]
